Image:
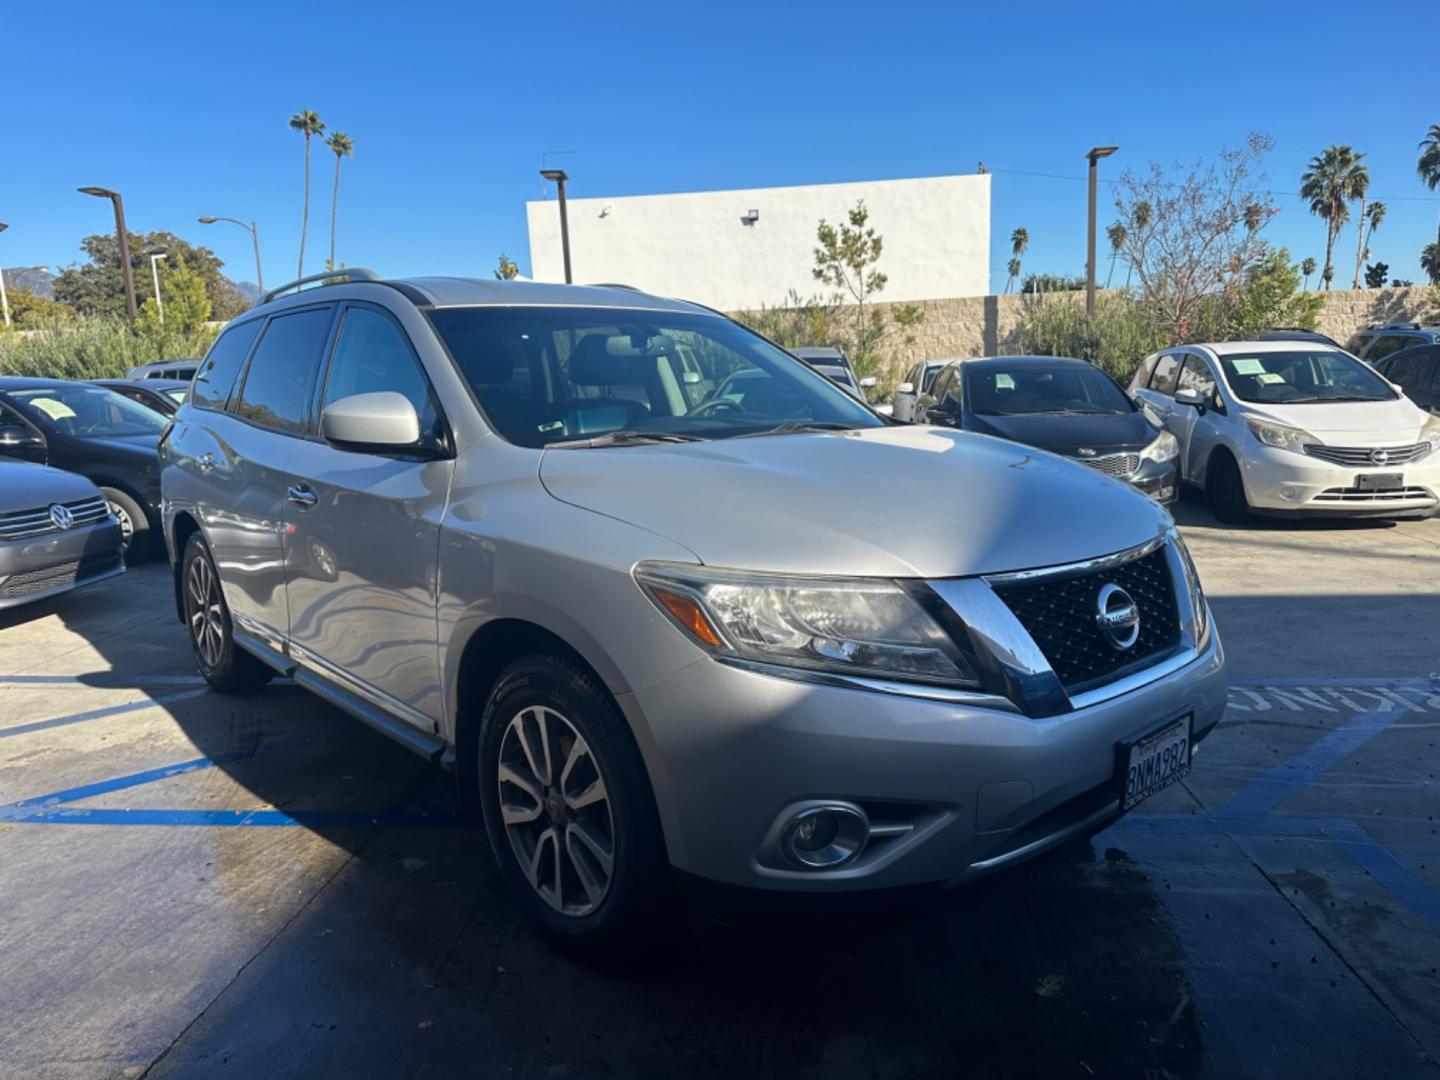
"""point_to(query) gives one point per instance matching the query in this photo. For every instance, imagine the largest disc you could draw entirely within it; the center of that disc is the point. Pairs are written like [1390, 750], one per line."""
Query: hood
[129, 446]
[896, 501]
[24, 486]
[1349, 423]
[1106, 433]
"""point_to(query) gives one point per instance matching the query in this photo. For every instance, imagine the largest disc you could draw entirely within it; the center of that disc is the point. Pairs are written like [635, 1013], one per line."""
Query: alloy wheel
[204, 612]
[127, 527]
[556, 811]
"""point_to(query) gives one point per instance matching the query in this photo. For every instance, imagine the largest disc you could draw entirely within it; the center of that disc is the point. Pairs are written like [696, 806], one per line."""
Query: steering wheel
[716, 405]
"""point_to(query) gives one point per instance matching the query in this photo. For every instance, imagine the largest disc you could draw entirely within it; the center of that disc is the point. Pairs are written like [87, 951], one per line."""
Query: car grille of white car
[1355, 495]
[1121, 465]
[1365, 457]
[23, 524]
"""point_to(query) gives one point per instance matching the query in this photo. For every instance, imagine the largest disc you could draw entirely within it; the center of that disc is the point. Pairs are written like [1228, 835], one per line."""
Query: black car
[93, 431]
[1064, 406]
[1417, 372]
[162, 395]
[835, 366]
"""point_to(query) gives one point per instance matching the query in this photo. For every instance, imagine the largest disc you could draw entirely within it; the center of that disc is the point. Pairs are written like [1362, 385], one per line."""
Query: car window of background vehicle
[86, 411]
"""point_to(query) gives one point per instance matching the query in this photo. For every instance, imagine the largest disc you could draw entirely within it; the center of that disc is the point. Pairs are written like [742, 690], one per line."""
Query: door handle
[300, 495]
[207, 462]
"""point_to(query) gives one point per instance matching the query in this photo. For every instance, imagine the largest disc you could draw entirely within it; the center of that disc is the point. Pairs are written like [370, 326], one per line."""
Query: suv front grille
[1358, 457]
[1061, 615]
[1121, 465]
[23, 524]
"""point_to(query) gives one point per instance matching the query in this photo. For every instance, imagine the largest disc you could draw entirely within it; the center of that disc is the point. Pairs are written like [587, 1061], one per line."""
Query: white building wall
[693, 246]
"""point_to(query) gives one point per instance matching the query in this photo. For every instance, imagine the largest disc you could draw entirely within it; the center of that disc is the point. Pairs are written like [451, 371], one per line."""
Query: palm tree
[1019, 241]
[1117, 234]
[344, 147]
[308, 123]
[1429, 164]
[1370, 221]
[1139, 221]
[1335, 178]
[1307, 268]
[1430, 262]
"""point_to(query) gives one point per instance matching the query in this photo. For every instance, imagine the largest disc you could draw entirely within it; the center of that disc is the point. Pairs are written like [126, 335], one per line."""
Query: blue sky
[453, 106]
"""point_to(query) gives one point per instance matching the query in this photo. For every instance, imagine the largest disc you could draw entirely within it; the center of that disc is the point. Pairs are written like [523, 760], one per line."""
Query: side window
[217, 371]
[1162, 379]
[927, 377]
[282, 371]
[1434, 370]
[913, 376]
[372, 353]
[1401, 368]
[1196, 375]
[1141, 378]
[1356, 345]
[1386, 345]
[941, 386]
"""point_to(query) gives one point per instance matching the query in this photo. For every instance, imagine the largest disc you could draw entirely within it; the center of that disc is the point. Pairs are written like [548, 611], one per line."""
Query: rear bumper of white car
[1285, 482]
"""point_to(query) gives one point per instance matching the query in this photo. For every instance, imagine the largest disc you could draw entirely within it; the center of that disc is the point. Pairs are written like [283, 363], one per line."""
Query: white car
[1284, 427]
[917, 381]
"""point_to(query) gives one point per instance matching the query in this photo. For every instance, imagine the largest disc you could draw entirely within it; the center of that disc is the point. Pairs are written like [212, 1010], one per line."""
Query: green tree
[1430, 262]
[97, 287]
[1336, 177]
[309, 124]
[506, 270]
[342, 146]
[29, 311]
[1117, 234]
[1308, 269]
[1270, 296]
[846, 261]
[1429, 164]
[187, 306]
[1375, 274]
[1019, 243]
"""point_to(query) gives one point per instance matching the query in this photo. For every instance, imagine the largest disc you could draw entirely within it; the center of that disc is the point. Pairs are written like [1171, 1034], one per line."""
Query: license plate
[1380, 481]
[1153, 761]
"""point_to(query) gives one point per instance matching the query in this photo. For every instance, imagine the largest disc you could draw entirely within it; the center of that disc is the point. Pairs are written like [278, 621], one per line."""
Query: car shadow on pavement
[1190, 512]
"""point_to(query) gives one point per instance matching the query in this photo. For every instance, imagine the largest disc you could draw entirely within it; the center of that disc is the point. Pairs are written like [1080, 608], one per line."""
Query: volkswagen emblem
[1118, 617]
[1085, 451]
[61, 517]
[1379, 457]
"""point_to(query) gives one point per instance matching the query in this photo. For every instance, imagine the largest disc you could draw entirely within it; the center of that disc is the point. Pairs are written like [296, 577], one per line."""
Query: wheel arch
[182, 528]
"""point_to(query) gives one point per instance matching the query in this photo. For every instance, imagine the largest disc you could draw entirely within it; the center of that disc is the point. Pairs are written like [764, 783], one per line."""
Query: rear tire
[225, 666]
[568, 806]
[1225, 490]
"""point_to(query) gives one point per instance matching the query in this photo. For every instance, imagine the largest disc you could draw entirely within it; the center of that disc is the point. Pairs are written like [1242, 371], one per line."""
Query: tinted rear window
[217, 371]
[282, 371]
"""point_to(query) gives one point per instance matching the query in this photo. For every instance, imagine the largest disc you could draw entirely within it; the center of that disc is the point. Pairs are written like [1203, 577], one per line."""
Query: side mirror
[1397, 388]
[1190, 396]
[905, 388]
[17, 441]
[885, 410]
[868, 382]
[381, 422]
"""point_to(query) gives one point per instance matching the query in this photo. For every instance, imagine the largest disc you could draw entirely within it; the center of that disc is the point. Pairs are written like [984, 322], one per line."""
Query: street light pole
[131, 308]
[155, 257]
[254, 237]
[4, 300]
[1094, 156]
[559, 177]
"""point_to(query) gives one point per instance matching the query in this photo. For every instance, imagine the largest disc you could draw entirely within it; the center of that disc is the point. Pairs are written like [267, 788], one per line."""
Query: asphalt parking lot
[197, 886]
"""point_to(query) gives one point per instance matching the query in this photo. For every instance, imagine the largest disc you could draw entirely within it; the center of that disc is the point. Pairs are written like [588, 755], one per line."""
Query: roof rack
[329, 277]
[1394, 326]
[612, 285]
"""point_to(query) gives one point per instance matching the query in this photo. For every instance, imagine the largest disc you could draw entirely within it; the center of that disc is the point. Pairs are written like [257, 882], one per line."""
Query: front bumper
[56, 562]
[1284, 482]
[979, 787]
[1160, 481]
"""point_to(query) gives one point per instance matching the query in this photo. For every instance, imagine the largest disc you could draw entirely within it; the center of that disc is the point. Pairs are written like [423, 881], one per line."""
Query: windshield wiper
[791, 426]
[624, 438]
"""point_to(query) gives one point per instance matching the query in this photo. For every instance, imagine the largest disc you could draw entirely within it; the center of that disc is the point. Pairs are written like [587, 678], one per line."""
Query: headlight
[1197, 594]
[1165, 448]
[1282, 437]
[1430, 432]
[857, 626]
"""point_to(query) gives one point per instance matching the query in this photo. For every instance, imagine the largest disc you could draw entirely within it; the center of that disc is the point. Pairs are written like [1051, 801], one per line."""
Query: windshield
[88, 411]
[1025, 390]
[548, 375]
[1303, 378]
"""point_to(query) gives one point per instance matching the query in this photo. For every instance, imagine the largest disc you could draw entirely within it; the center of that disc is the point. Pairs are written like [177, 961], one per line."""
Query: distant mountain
[32, 279]
[249, 290]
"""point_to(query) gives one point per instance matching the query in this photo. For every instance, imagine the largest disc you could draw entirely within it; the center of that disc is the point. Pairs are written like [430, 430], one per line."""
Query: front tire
[568, 806]
[225, 666]
[1225, 490]
[134, 525]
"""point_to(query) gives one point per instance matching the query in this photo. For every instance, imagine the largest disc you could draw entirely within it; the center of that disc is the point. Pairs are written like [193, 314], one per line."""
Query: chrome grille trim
[1354, 495]
[1121, 466]
[1358, 457]
[24, 524]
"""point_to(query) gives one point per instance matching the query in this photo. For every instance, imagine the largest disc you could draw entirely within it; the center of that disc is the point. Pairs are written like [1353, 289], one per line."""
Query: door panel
[1196, 433]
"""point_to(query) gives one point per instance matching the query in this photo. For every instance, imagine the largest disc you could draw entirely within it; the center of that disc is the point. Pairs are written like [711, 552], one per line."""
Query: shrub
[1122, 334]
[96, 347]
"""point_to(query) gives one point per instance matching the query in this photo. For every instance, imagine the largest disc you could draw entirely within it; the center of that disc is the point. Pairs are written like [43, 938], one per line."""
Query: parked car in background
[917, 381]
[835, 366]
[93, 431]
[1417, 372]
[650, 633]
[184, 370]
[1279, 427]
[1068, 407]
[162, 395]
[1379, 340]
[56, 533]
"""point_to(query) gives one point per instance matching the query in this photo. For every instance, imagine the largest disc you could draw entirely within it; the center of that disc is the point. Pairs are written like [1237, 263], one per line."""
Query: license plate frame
[1133, 753]
[1386, 481]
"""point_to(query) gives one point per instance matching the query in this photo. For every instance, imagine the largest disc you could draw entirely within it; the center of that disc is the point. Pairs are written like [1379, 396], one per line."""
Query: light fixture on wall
[750, 218]
[605, 210]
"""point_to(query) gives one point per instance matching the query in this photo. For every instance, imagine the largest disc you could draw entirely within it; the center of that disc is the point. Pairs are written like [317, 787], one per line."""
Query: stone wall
[989, 325]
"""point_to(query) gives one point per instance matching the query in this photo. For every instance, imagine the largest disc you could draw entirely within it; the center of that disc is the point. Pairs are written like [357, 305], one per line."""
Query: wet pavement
[195, 886]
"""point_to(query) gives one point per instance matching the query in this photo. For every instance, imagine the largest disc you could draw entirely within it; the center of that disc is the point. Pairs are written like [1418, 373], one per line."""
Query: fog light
[1288, 493]
[825, 837]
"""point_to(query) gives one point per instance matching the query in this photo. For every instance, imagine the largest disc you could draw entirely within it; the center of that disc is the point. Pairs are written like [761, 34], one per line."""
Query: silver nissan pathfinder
[664, 597]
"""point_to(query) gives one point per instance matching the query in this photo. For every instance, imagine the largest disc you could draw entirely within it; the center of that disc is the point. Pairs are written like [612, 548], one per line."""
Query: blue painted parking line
[97, 714]
[1387, 870]
[397, 817]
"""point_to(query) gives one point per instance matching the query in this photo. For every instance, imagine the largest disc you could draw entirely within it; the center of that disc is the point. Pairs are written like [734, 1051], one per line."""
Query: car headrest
[603, 360]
